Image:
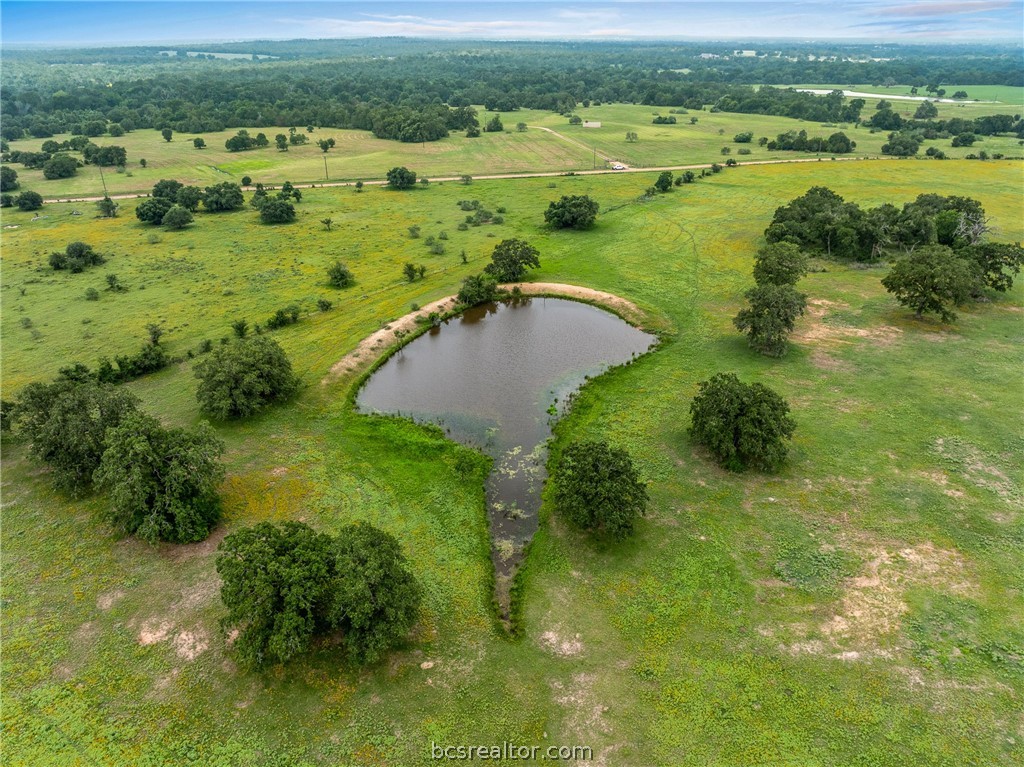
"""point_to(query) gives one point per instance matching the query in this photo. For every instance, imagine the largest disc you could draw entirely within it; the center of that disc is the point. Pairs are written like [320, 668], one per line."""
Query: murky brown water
[493, 378]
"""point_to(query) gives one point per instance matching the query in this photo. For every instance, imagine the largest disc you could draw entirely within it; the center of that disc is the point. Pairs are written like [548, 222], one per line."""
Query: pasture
[358, 155]
[864, 605]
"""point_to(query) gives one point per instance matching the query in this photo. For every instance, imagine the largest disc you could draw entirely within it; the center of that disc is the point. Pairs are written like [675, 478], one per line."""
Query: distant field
[684, 143]
[1008, 99]
[861, 607]
[358, 155]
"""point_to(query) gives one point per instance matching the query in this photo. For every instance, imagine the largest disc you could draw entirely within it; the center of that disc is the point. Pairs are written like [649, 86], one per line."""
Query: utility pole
[325, 168]
[595, 158]
[103, 181]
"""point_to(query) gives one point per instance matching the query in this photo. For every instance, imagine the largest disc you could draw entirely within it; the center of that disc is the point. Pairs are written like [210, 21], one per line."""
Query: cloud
[932, 9]
[572, 14]
[612, 32]
[419, 26]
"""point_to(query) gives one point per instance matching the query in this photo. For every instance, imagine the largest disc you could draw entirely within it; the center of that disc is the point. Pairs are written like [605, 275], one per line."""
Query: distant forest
[402, 89]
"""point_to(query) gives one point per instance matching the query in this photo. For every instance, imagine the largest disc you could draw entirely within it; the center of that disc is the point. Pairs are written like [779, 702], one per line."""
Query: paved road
[545, 174]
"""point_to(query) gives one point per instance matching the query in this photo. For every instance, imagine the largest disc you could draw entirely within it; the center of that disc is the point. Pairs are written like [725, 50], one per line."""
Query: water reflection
[494, 378]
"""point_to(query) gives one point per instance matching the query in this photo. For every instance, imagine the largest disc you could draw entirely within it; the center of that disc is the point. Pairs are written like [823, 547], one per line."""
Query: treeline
[989, 125]
[821, 221]
[779, 62]
[404, 97]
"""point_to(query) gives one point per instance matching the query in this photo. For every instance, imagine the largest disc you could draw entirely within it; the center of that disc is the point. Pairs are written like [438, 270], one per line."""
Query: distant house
[591, 124]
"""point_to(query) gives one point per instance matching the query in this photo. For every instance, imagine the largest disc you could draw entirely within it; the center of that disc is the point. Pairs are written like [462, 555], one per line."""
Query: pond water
[495, 378]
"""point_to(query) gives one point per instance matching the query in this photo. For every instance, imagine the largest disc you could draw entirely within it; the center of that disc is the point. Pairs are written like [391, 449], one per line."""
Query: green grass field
[862, 607]
[683, 143]
[358, 155]
[1001, 99]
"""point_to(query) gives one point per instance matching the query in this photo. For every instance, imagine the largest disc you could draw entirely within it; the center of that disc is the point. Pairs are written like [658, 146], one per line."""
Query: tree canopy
[224, 196]
[770, 317]
[162, 482]
[932, 279]
[401, 178]
[572, 212]
[285, 584]
[239, 379]
[741, 424]
[375, 598]
[511, 259]
[477, 289]
[66, 422]
[779, 263]
[598, 488]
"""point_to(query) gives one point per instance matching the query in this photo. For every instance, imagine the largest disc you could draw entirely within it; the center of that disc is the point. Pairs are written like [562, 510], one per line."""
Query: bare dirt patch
[189, 645]
[583, 714]
[561, 644]
[374, 344]
[181, 551]
[817, 330]
[872, 603]
[108, 599]
[154, 631]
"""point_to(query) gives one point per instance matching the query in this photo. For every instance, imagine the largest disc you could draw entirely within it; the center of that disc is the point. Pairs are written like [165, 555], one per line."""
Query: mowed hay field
[981, 99]
[864, 606]
[358, 155]
[702, 142]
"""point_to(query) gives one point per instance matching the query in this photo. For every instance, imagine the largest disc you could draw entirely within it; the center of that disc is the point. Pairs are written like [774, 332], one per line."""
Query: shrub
[401, 178]
[76, 257]
[323, 304]
[741, 424]
[477, 289]
[282, 317]
[29, 201]
[598, 489]
[240, 379]
[277, 211]
[572, 212]
[340, 276]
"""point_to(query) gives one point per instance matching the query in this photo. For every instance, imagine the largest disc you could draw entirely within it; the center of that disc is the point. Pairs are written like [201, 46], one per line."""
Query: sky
[83, 22]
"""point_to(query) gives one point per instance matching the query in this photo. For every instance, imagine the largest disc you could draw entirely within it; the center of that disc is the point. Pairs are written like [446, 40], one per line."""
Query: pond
[495, 378]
